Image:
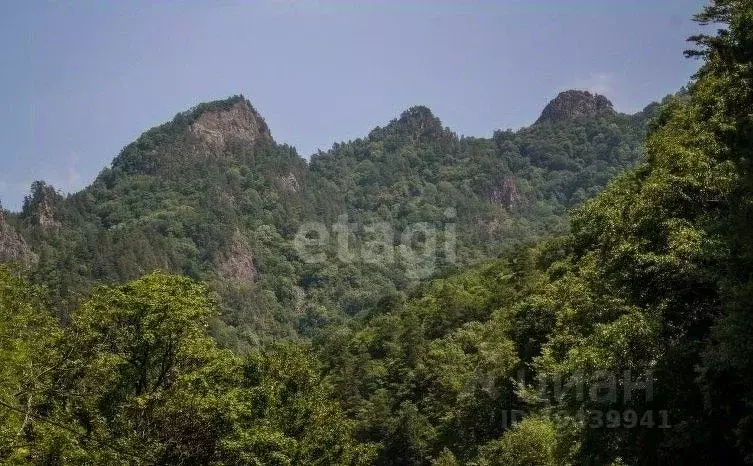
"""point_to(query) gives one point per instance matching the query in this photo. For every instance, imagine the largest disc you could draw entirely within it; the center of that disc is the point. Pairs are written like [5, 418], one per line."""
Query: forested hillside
[617, 333]
[212, 196]
[626, 341]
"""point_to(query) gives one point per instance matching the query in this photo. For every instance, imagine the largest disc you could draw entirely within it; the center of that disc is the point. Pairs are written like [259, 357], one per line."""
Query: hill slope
[211, 195]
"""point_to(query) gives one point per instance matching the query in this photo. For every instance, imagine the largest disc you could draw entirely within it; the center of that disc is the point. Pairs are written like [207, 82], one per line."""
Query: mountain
[574, 104]
[215, 129]
[624, 340]
[213, 196]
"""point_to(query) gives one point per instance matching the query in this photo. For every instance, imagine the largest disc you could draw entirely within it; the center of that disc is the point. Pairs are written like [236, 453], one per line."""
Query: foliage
[532, 442]
[623, 340]
[229, 218]
[27, 336]
[135, 379]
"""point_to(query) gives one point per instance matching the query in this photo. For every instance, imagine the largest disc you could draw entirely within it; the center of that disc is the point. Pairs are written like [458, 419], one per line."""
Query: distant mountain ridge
[212, 195]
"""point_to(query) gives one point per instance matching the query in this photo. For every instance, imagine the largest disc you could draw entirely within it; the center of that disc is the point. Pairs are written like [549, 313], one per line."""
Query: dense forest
[574, 292]
[211, 196]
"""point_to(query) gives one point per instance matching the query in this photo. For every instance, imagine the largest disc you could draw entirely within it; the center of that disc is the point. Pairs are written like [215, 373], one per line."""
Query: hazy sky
[79, 80]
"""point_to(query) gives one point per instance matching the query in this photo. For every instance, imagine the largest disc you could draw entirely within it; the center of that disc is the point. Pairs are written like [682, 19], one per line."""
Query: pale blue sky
[81, 79]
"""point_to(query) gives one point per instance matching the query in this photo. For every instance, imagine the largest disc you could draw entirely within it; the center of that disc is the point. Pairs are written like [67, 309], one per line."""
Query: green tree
[28, 335]
[532, 442]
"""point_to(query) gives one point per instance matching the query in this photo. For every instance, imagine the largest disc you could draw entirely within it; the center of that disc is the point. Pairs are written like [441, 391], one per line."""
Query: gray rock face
[41, 206]
[13, 248]
[507, 193]
[573, 104]
[289, 183]
[45, 213]
[240, 123]
[237, 262]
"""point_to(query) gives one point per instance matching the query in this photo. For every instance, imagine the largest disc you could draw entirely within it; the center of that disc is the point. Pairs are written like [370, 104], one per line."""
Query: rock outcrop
[237, 262]
[289, 183]
[45, 215]
[573, 104]
[13, 248]
[41, 206]
[507, 193]
[237, 122]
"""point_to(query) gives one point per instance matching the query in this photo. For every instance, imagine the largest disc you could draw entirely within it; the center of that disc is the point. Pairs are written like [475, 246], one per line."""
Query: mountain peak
[417, 122]
[215, 124]
[572, 104]
[417, 112]
[208, 129]
[41, 205]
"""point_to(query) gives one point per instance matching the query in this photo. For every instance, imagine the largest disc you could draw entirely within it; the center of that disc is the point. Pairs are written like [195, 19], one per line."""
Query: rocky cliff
[574, 104]
[13, 248]
[237, 122]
